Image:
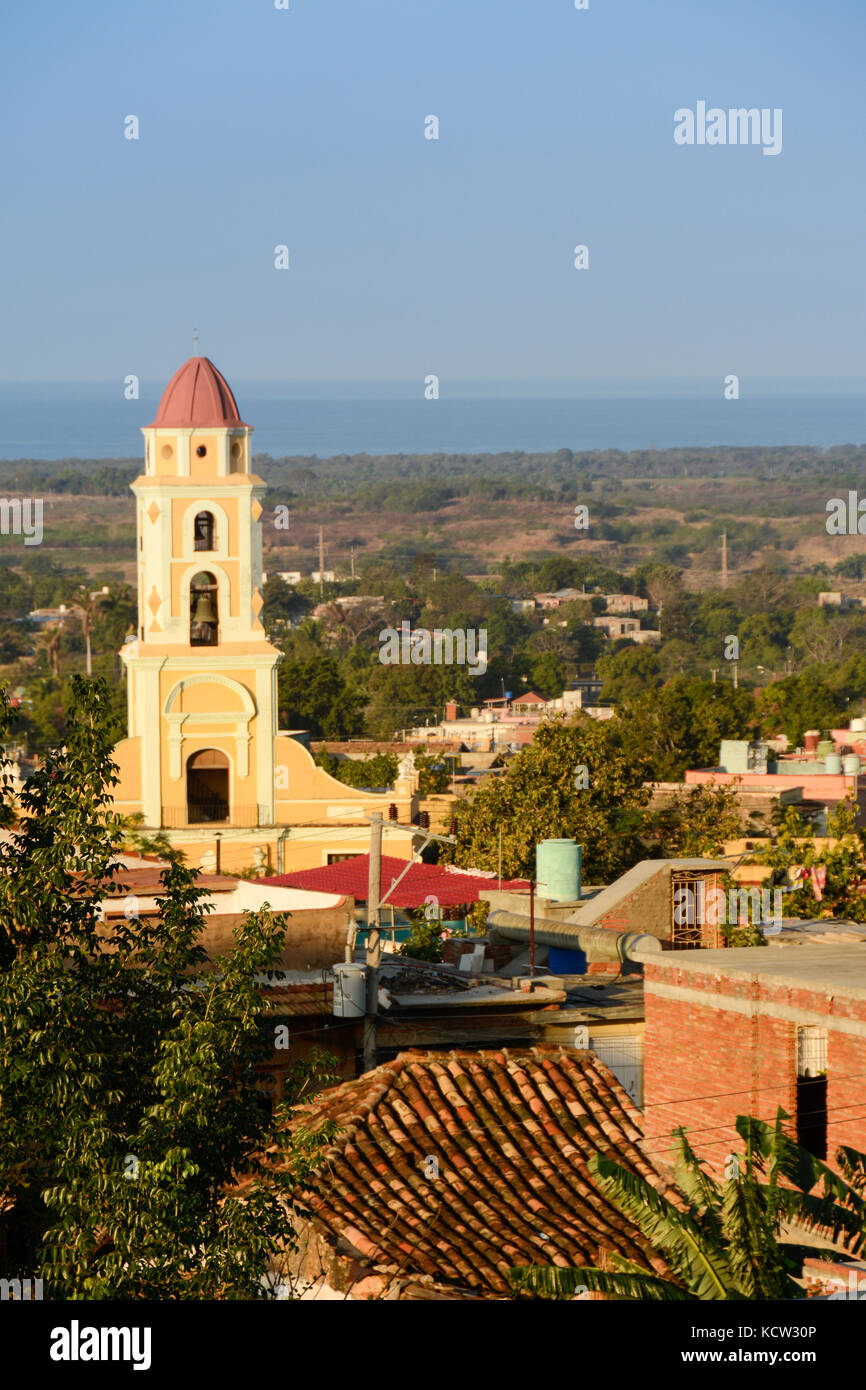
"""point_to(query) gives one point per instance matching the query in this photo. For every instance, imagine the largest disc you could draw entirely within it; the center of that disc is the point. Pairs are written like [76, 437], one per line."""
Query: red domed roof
[197, 395]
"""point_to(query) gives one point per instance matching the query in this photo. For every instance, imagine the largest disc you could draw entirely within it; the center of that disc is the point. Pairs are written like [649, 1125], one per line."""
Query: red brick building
[744, 1031]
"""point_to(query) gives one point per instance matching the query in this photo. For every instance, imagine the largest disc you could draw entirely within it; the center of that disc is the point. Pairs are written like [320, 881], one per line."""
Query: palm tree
[86, 605]
[49, 641]
[721, 1242]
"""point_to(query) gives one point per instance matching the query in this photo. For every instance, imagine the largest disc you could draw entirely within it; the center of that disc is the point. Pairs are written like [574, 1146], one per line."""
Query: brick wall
[501, 953]
[706, 1063]
[649, 909]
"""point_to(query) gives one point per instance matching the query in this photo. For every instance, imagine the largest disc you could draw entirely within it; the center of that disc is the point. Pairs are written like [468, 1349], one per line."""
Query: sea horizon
[91, 420]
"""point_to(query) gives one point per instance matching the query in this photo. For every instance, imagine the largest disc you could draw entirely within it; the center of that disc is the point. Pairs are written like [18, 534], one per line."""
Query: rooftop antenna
[195, 342]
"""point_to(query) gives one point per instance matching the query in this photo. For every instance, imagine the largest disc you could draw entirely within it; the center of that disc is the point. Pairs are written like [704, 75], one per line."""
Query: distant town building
[822, 775]
[530, 703]
[558, 597]
[617, 627]
[626, 603]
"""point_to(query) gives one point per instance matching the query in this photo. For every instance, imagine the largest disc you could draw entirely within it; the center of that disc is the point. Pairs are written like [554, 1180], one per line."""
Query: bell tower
[201, 675]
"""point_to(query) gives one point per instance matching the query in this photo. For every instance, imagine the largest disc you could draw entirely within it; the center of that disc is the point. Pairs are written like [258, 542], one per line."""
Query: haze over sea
[93, 420]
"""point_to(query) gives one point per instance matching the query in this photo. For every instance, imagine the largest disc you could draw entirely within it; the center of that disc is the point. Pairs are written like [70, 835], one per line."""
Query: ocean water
[95, 421]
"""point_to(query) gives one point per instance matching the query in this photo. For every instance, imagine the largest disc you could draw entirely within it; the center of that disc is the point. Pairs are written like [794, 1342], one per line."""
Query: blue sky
[411, 256]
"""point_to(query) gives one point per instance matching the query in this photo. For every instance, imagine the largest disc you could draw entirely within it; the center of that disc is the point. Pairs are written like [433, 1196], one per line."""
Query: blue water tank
[557, 870]
[563, 961]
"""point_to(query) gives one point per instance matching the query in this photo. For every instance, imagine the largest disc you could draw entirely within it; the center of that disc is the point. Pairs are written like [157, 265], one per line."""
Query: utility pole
[352, 559]
[374, 908]
[724, 559]
[532, 929]
[736, 674]
[715, 671]
[321, 564]
[374, 945]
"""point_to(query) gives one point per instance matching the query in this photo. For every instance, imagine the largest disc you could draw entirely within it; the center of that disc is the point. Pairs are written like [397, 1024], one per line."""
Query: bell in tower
[203, 614]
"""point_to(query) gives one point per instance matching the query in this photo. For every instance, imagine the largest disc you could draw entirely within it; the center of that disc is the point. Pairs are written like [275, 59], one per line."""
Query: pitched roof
[294, 1000]
[607, 899]
[449, 885]
[511, 1131]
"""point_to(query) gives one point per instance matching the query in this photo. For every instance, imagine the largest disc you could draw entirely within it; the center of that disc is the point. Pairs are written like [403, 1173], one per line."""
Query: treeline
[429, 482]
[76, 477]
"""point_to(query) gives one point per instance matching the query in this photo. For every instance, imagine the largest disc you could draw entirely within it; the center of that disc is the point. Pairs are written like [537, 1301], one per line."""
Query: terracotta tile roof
[512, 1131]
[148, 882]
[291, 1001]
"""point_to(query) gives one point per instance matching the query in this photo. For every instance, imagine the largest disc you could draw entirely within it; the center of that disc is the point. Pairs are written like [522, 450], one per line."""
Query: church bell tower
[201, 675]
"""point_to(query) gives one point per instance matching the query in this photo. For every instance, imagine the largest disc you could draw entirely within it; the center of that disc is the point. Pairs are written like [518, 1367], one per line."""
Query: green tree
[129, 1096]
[434, 773]
[314, 696]
[570, 782]
[380, 770]
[547, 675]
[696, 823]
[795, 704]
[682, 725]
[843, 894]
[628, 673]
[425, 941]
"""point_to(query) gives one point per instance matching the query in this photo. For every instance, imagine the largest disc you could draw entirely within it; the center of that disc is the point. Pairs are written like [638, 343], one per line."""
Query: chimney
[451, 709]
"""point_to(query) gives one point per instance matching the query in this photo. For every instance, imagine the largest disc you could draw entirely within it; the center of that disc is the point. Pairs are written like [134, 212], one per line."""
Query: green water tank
[557, 870]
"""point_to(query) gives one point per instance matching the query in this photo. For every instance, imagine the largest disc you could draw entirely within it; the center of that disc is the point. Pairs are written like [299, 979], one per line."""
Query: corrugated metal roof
[351, 876]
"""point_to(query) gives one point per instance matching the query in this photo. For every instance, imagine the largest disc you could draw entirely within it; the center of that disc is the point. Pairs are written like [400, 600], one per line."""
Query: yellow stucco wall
[127, 755]
[202, 469]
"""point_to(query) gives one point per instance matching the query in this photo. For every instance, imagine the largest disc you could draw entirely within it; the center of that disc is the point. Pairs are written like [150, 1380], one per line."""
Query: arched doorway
[207, 787]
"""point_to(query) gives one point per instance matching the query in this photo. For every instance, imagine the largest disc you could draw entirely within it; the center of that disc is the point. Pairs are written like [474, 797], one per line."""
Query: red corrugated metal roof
[450, 886]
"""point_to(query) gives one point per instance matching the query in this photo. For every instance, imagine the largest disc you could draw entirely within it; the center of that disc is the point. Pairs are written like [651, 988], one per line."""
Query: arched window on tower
[204, 531]
[203, 611]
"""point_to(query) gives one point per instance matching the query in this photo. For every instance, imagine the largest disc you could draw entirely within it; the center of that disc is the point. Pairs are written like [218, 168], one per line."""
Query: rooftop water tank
[858, 726]
[350, 990]
[826, 747]
[558, 869]
[810, 740]
[833, 763]
[851, 764]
